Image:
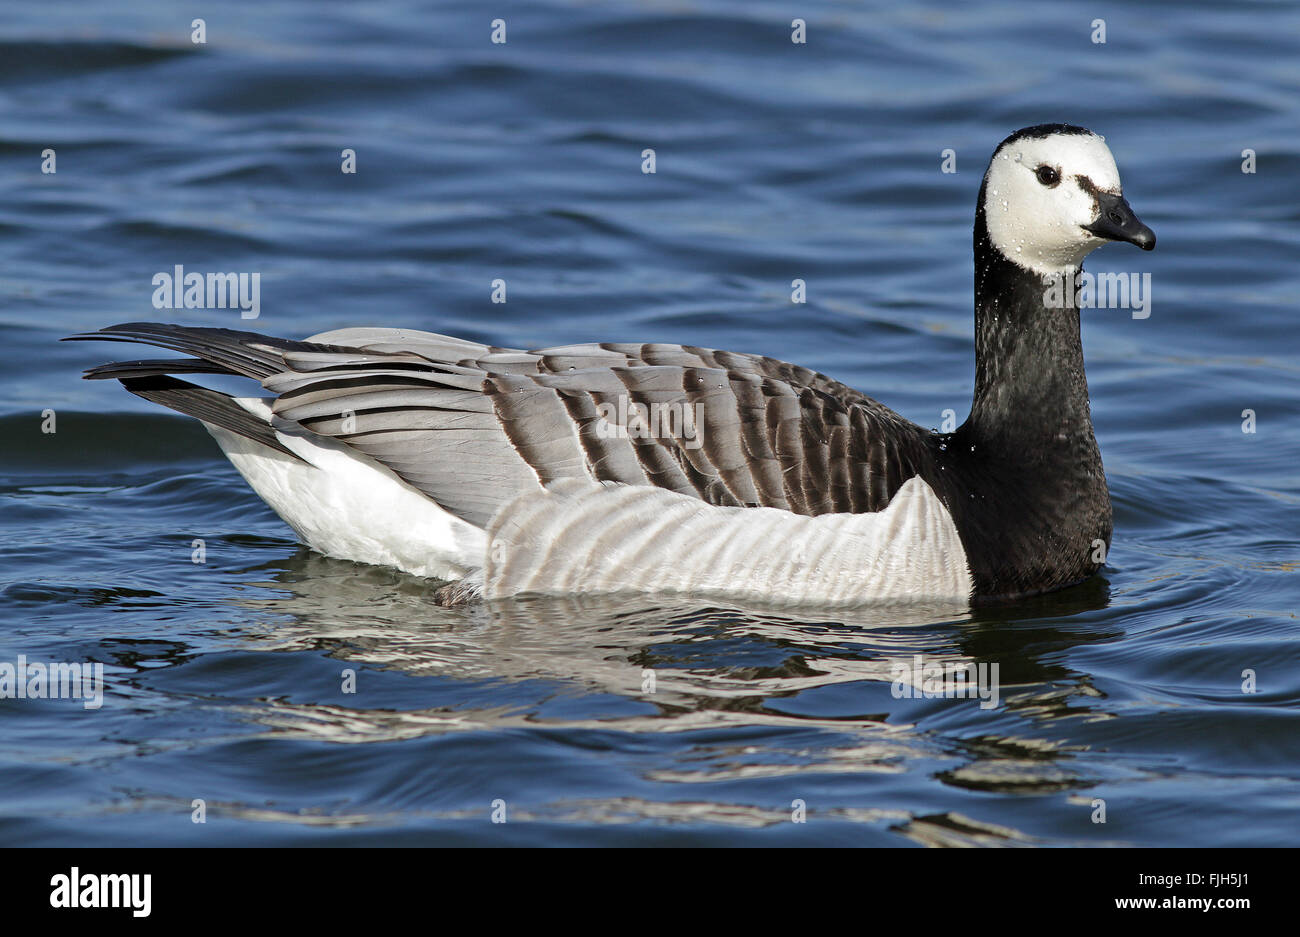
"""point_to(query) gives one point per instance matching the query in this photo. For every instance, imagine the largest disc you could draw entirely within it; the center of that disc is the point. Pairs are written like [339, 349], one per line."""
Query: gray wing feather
[473, 426]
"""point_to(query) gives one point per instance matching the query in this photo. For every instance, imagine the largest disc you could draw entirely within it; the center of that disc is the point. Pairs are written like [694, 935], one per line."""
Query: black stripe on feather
[210, 406]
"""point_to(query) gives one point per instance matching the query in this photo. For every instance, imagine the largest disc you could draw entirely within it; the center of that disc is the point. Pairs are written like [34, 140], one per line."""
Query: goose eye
[1047, 175]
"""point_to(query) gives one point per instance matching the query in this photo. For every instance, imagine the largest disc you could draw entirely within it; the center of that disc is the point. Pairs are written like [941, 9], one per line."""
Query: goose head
[1052, 195]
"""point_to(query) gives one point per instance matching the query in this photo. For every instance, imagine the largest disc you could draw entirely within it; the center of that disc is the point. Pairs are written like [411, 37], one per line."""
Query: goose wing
[473, 426]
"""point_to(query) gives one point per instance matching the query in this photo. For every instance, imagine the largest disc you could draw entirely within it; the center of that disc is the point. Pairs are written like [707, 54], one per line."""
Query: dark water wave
[89, 446]
[37, 60]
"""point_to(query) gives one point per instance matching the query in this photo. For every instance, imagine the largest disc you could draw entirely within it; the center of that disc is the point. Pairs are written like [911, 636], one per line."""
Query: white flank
[585, 537]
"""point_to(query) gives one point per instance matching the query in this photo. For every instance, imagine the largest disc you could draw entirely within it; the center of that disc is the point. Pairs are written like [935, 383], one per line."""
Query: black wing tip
[168, 335]
[109, 331]
[149, 367]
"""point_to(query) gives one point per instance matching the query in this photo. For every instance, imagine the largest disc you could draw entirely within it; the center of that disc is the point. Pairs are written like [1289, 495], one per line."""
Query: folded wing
[474, 426]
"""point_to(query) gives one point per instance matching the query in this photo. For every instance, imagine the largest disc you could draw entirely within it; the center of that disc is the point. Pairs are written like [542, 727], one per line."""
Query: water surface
[522, 161]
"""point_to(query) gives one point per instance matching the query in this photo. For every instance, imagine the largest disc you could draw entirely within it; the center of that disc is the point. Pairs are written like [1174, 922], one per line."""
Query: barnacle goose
[509, 472]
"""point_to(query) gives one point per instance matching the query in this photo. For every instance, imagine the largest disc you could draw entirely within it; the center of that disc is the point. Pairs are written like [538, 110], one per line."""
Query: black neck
[1030, 385]
[1023, 476]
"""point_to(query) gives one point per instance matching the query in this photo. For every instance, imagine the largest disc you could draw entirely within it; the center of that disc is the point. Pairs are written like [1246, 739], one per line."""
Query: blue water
[522, 161]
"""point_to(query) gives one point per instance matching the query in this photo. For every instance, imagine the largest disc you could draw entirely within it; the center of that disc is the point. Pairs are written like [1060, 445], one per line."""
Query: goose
[626, 467]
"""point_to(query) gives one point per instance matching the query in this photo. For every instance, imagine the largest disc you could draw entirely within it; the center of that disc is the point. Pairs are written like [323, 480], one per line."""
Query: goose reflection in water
[820, 689]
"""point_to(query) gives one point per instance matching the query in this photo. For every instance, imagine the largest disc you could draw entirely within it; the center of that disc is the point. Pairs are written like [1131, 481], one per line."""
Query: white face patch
[1040, 226]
